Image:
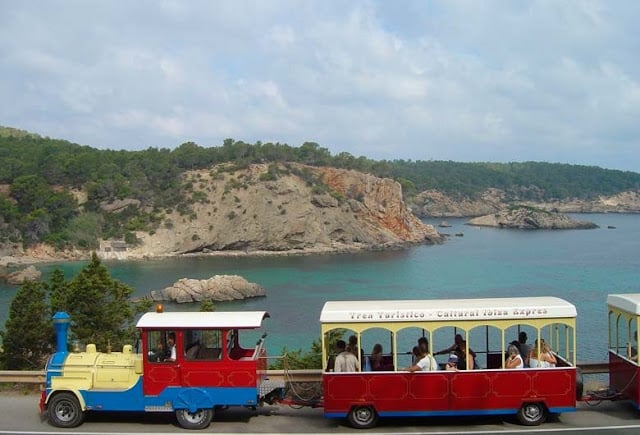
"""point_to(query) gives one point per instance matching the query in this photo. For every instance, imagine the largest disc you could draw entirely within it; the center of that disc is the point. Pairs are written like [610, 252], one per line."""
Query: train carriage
[191, 364]
[624, 368]
[490, 388]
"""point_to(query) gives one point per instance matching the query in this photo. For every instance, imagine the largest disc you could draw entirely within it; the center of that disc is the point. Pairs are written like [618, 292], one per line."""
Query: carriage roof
[629, 302]
[446, 309]
[203, 320]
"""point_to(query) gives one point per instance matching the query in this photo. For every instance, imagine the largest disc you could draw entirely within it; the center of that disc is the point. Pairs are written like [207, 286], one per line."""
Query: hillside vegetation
[70, 195]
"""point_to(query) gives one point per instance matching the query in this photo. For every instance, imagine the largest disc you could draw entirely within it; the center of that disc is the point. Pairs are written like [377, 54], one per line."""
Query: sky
[468, 81]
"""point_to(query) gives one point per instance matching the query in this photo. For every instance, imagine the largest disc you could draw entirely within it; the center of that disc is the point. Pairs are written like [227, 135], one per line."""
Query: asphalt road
[19, 415]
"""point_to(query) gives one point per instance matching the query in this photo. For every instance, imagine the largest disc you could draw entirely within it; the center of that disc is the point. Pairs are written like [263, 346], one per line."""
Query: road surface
[19, 414]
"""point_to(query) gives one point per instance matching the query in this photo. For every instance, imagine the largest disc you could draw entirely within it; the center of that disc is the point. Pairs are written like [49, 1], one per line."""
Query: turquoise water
[582, 266]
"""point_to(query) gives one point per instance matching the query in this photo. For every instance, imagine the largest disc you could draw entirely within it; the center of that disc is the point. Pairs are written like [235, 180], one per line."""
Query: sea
[581, 266]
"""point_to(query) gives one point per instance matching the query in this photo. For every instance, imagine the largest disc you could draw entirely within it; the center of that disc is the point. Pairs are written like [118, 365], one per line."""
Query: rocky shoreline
[9, 263]
[430, 204]
[17, 261]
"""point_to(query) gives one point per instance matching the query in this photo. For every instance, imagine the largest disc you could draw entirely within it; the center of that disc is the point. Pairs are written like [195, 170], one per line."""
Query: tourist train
[193, 364]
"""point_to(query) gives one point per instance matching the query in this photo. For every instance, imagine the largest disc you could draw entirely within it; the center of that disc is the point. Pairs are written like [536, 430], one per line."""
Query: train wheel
[65, 411]
[532, 414]
[362, 417]
[194, 420]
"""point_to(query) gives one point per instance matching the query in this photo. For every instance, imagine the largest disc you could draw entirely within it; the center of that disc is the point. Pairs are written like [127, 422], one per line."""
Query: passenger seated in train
[158, 354]
[524, 348]
[458, 343]
[426, 362]
[459, 347]
[375, 359]
[452, 363]
[415, 355]
[352, 347]
[192, 350]
[345, 361]
[514, 359]
[545, 359]
[171, 343]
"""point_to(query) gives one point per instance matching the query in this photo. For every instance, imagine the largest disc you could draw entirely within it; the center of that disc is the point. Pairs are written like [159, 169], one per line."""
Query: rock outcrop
[119, 205]
[432, 203]
[28, 274]
[285, 209]
[625, 202]
[15, 255]
[530, 219]
[216, 288]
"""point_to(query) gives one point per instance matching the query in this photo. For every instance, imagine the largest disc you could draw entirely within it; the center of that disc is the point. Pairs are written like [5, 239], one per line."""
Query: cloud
[453, 80]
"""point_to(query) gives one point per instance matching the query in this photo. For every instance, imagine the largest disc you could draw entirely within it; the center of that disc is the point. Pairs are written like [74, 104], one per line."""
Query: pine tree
[28, 337]
[57, 291]
[99, 306]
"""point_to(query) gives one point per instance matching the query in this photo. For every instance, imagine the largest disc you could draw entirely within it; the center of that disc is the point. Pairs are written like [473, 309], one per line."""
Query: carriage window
[235, 348]
[624, 343]
[203, 344]
[157, 346]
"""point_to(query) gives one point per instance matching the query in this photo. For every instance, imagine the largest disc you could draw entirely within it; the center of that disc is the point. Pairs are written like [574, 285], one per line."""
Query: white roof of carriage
[629, 302]
[446, 309]
[203, 320]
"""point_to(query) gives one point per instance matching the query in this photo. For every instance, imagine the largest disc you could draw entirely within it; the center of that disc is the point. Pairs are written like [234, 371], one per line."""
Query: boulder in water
[20, 276]
[216, 288]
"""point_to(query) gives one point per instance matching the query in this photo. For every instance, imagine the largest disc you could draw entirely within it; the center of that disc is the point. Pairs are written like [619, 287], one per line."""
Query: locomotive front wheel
[532, 414]
[64, 410]
[194, 420]
[362, 417]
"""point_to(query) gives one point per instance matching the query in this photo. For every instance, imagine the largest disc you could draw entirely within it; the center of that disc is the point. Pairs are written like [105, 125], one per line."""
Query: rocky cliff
[285, 208]
[530, 219]
[432, 203]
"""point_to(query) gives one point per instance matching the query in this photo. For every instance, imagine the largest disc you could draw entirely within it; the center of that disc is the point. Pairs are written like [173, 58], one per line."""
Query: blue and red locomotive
[190, 364]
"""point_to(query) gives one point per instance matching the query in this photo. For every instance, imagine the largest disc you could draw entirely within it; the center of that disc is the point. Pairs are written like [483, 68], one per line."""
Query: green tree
[99, 306]
[309, 359]
[31, 192]
[85, 229]
[299, 359]
[35, 226]
[8, 210]
[57, 291]
[9, 218]
[61, 206]
[28, 337]
[207, 305]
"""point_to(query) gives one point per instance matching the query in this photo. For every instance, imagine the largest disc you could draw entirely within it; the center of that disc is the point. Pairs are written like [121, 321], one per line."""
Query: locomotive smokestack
[61, 324]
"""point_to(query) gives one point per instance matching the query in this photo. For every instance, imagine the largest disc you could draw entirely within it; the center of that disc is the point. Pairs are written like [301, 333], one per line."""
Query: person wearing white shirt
[171, 342]
[345, 361]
